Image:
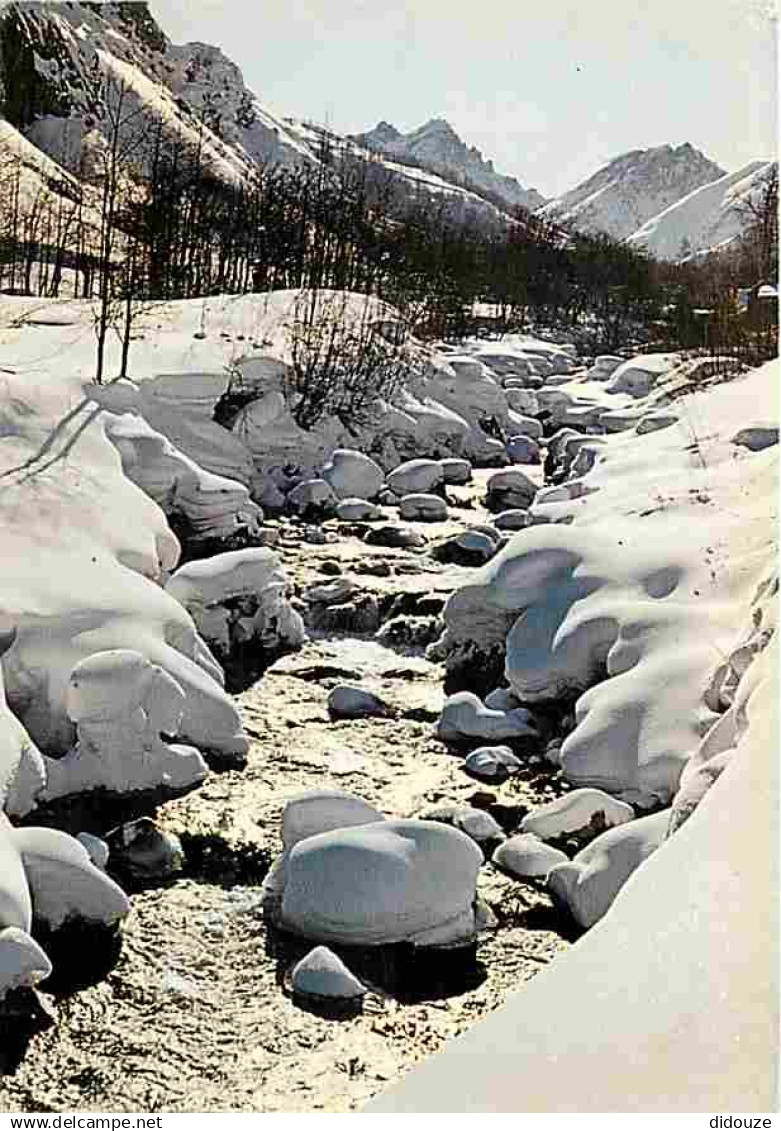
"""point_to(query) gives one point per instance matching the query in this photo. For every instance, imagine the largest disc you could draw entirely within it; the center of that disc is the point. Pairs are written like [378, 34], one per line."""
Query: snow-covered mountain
[436, 146]
[633, 188]
[707, 218]
[55, 59]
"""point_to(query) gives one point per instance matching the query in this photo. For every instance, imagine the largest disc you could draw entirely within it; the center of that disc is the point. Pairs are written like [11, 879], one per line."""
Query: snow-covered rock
[358, 510]
[527, 857]
[492, 763]
[464, 717]
[575, 811]
[588, 884]
[640, 374]
[384, 882]
[509, 490]
[478, 825]
[423, 508]
[239, 598]
[352, 474]
[212, 506]
[523, 449]
[513, 519]
[456, 471]
[416, 477]
[121, 705]
[322, 974]
[22, 962]
[320, 811]
[64, 883]
[312, 496]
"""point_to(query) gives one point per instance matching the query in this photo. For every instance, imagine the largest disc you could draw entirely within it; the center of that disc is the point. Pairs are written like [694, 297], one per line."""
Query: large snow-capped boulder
[385, 882]
[639, 375]
[417, 476]
[423, 508]
[352, 474]
[588, 884]
[570, 607]
[121, 705]
[81, 574]
[212, 506]
[239, 598]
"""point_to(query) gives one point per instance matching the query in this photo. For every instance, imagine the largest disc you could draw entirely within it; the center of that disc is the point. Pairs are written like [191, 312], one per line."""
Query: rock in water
[464, 717]
[347, 702]
[142, 851]
[355, 509]
[581, 809]
[527, 857]
[492, 763]
[417, 476]
[396, 537]
[322, 974]
[423, 508]
[351, 473]
[477, 824]
[387, 882]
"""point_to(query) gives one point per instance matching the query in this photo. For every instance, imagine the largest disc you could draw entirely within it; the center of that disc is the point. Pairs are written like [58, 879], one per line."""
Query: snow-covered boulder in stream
[121, 705]
[570, 606]
[417, 476]
[465, 718]
[239, 598]
[352, 474]
[386, 882]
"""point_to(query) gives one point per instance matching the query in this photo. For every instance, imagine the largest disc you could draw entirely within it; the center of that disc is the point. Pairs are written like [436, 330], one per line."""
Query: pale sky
[549, 90]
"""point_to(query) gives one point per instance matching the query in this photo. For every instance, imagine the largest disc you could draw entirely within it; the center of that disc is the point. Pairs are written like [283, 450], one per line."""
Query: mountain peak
[632, 188]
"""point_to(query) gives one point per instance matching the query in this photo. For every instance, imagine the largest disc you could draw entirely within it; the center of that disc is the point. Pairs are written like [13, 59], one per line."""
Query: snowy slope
[436, 146]
[708, 218]
[54, 58]
[633, 188]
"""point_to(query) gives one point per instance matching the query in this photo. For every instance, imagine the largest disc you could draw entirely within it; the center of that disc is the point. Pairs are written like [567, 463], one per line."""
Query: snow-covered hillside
[707, 219]
[437, 147]
[633, 188]
[55, 58]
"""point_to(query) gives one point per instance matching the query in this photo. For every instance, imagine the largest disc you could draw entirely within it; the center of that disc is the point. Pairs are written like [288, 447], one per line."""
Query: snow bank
[688, 951]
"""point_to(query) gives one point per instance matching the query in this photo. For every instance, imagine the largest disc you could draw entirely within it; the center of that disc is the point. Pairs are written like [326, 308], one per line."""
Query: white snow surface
[706, 219]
